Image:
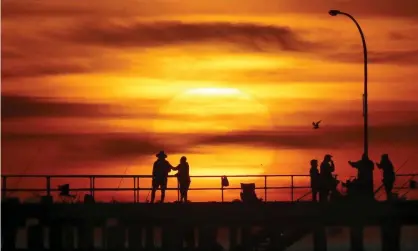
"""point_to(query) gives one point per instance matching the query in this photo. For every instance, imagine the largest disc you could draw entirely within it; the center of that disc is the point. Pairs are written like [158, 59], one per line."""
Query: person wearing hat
[326, 178]
[364, 181]
[388, 174]
[314, 173]
[160, 171]
[183, 178]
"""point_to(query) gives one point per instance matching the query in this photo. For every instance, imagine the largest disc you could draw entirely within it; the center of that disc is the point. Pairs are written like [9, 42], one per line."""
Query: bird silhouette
[316, 124]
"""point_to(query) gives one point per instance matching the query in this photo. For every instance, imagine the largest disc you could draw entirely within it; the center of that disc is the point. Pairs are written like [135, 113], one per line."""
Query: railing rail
[136, 181]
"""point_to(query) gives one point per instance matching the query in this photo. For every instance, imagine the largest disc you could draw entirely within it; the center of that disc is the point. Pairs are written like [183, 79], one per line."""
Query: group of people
[160, 171]
[324, 183]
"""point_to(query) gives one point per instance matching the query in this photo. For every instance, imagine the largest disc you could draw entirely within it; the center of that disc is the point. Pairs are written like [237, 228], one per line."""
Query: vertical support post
[149, 237]
[35, 237]
[9, 234]
[134, 236]
[291, 187]
[233, 240]
[115, 237]
[390, 235]
[3, 187]
[48, 186]
[246, 236]
[265, 188]
[85, 232]
[356, 238]
[320, 239]
[56, 235]
[172, 237]
[190, 237]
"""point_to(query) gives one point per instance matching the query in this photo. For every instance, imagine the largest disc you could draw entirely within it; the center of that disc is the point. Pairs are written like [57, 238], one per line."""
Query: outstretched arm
[379, 165]
[353, 164]
[169, 167]
[175, 168]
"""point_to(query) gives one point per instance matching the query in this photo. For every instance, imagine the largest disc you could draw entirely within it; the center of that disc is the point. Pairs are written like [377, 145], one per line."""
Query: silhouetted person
[388, 174]
[364, 182]
[160, 172]
[326, 179]
[183, 178]
[314, 173]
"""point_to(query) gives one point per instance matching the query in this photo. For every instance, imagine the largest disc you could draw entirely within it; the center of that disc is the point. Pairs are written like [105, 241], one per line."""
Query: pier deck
[282, 213]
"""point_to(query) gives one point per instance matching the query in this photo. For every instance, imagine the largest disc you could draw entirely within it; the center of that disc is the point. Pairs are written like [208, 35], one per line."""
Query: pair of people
[160, 171]
[364, 181]
[322, 181]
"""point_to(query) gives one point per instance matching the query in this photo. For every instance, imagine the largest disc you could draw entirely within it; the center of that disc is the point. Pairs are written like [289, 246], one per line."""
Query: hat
[161, 154]
[328, 156]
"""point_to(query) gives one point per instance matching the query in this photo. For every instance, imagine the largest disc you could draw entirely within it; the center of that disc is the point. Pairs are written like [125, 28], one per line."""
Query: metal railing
[137, 178]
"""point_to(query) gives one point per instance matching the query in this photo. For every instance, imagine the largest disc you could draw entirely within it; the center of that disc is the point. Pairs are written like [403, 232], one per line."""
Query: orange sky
[101, 86]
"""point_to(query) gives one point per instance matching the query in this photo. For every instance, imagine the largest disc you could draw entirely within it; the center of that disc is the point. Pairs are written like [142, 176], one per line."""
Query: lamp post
[365, 110]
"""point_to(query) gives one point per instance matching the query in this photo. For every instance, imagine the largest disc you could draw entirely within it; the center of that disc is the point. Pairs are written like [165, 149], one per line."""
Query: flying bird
[316, 124]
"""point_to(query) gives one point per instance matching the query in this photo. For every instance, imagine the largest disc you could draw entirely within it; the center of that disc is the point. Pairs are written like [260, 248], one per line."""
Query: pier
[266, 225]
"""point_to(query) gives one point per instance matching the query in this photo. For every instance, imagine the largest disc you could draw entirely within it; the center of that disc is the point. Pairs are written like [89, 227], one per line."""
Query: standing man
[160, 172]
[365, 169]
[388, 174]
[315, 182]
[326, 178]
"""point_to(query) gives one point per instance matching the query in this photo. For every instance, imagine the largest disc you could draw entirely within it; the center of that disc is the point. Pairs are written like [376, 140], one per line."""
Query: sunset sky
[100, 86]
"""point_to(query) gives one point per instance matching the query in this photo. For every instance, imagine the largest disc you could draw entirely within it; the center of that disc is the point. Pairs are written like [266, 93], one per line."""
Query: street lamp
[365, 110]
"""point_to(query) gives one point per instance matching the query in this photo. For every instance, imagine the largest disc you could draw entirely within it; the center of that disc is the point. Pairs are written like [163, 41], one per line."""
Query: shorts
[159, 183]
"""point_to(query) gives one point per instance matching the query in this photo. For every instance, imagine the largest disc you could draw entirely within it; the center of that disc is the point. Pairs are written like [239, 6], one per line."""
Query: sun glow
[213, 91]
[212, 110]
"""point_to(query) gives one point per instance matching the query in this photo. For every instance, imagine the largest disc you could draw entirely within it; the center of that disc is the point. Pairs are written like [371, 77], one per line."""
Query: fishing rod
[120, 182]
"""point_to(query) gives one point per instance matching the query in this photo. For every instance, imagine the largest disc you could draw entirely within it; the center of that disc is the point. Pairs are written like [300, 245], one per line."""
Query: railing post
[48, 185]
[222, 190]
[265, 188]
[3, 186]
[134, 189]
[291, 187]
[178, 190]
[92, 179]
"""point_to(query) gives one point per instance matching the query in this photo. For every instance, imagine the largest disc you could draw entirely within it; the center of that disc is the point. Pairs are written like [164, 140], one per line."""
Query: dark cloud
[42, 68]
[247, 35]
[338, 137]
[381, 57]
[24, 107]
[131, 8]
[21, 107]
[80, 147]
[405, 35]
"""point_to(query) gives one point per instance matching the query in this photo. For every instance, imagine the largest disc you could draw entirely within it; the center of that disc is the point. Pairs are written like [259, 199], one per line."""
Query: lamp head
[334, 12]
